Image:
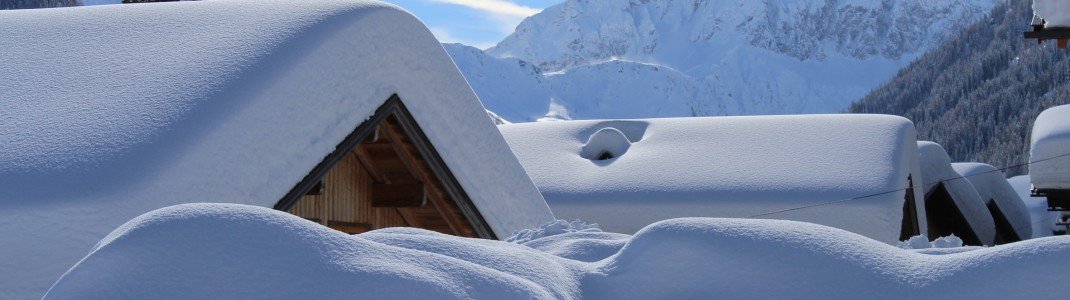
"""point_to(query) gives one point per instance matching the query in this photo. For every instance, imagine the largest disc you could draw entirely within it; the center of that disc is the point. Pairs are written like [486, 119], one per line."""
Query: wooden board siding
[387, 157]
[346, 199]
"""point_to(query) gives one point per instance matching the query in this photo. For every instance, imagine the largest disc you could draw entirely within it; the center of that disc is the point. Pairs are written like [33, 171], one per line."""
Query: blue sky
[479, 23]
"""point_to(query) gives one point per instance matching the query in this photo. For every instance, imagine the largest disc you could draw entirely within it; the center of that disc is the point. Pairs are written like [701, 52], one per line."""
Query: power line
[902, 189]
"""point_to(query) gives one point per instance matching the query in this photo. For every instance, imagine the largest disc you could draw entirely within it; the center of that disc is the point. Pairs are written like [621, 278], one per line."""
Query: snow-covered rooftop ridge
[991, 185]
[936, 169]
[1049, 149]
[167, 253]
[113, 111]
[722, 166]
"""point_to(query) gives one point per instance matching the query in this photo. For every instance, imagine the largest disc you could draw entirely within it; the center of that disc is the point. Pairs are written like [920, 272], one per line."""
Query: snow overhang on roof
[724, 166]
[113, 111]
[936, 169]
[992, 185]
[1050, 149]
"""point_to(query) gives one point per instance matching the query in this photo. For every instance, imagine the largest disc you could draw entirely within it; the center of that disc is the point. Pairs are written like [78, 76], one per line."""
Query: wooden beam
[366, 161]
[409, 157]
[398, 195]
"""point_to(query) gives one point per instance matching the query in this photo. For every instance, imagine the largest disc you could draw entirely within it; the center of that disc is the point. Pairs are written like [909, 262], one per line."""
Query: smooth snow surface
[727, 167]
[1050, 147]
[241, 252]
[113, 111]
[991, 185]
[1056, 13]
[1043, 220]
[936, 169]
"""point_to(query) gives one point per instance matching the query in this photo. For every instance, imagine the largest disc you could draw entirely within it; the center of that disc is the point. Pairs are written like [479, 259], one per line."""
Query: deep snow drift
[235, 251]
[627, 174]
[108, 112]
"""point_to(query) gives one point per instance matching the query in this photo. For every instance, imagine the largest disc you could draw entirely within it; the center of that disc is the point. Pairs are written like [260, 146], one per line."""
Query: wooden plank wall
[346, 201]
[345, 198]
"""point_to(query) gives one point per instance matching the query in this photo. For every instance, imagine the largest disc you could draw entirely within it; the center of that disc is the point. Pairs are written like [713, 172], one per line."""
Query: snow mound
[1050, 145]
[236, 251]
[921, 242]
[228, 251]
[607, 143]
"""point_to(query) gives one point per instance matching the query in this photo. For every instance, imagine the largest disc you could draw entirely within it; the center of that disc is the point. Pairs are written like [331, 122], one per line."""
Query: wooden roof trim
[394, 106]
[418, 169]
[442, 172]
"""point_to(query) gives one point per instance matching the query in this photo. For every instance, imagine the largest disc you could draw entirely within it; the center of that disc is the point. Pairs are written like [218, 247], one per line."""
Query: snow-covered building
[855, 172]
[952, 205]
[348, 113]
[1051, 21]
[1049, 150]
[1011, 217]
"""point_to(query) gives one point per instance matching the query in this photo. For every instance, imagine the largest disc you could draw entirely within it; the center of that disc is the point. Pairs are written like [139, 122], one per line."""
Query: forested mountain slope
[22, 4]
[978, 93]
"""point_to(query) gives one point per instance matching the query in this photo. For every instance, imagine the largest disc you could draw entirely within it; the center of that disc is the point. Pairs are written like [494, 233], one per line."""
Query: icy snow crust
[936, 168]
[991, 185]
[234, 251]
[114, 111]
[1050, 147]
[727, 167]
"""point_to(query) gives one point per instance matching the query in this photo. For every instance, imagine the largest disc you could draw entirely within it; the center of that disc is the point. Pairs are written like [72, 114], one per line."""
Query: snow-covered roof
[992, 185]
[1054, 12]
[179, 252]
[1043, 221]
[724, 167]
[113, 111]
[936, 168]
[1050, 149]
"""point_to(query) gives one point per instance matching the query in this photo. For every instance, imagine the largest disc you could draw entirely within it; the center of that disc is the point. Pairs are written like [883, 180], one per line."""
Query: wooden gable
[386, 174]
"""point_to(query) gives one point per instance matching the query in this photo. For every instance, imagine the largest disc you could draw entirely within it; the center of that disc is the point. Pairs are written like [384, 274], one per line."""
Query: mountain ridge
[743, 57]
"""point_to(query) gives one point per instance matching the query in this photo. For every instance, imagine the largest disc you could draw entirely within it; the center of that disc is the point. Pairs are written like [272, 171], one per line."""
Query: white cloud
[444, 36]
[506, 13]
[497, 7]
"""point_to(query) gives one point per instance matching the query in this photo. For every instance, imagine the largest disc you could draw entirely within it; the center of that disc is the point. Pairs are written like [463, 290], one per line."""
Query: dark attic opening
[910, 226]
[1004, 230]
[386, 174]
[945, 218]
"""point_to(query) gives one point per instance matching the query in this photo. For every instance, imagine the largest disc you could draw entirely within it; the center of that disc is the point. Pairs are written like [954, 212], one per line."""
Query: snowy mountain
[715, 57]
